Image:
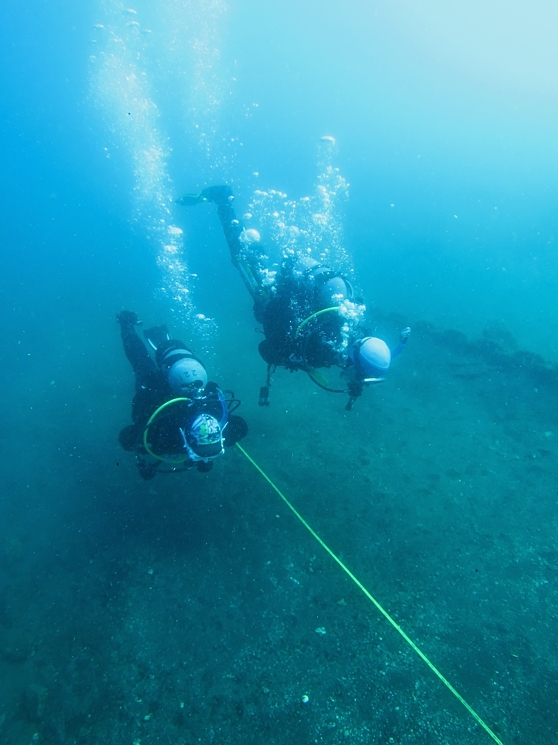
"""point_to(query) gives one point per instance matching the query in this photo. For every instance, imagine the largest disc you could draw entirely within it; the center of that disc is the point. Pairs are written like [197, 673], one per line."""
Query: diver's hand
[404, 335]
[355, 388]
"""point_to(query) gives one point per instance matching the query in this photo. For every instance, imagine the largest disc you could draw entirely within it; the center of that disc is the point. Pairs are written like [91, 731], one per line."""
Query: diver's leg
[246, 257]
[223, 197]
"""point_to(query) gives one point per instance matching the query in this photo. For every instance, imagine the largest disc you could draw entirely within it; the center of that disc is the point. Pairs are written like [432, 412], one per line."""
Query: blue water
[185, 609]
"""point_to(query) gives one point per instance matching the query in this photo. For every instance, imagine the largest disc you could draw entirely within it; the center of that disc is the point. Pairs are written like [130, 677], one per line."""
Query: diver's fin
[218, 194]
[317, 376]
[190, 200]
[156, 336]
[321, 380]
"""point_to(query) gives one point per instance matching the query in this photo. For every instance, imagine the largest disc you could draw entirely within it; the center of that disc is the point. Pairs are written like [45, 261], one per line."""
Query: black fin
[156, 336]
[218, 194]
[190, 200]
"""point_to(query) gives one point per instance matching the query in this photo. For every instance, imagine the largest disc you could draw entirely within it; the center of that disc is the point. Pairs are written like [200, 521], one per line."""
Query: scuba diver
[309, 315]
[179, 418]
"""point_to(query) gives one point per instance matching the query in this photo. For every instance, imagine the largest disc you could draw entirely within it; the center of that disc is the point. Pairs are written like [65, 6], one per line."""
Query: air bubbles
[352, 311]
[120, 81]
[249, 236]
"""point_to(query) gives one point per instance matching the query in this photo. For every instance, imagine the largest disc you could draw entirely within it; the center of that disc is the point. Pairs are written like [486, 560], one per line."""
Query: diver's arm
[403, 339]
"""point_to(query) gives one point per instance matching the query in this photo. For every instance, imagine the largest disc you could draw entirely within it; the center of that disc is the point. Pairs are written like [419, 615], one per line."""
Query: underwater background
[195, 608]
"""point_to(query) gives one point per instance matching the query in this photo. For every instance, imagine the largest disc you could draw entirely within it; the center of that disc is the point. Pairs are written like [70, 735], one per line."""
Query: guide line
[373, 600]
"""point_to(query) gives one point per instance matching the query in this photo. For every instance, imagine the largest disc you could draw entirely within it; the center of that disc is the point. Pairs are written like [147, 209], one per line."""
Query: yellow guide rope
[167, 459]
[386, 615]
[315, 315]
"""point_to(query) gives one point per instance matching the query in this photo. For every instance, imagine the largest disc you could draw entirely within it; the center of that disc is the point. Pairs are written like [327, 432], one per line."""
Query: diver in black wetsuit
[179, 418]
[308, 313]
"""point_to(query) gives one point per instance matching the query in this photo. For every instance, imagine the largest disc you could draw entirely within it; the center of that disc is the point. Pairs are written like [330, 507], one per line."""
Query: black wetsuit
[314, 345]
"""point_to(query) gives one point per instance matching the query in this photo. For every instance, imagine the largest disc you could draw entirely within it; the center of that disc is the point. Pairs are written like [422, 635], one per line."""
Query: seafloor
[185, 610]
